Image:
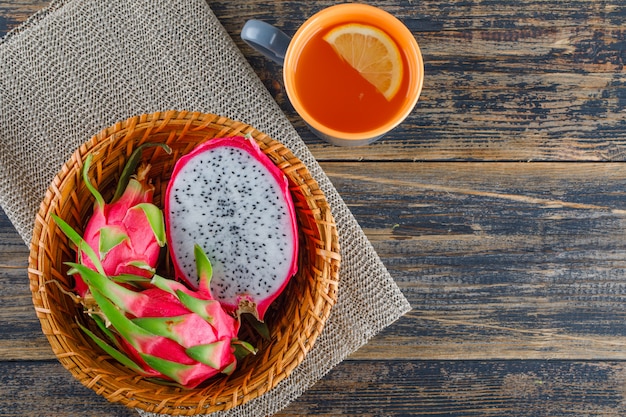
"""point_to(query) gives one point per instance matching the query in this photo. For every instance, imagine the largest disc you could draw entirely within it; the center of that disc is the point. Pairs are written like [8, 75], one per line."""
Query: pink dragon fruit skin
[165, 331]
[156, 327]
[231, 199]
[127, 233]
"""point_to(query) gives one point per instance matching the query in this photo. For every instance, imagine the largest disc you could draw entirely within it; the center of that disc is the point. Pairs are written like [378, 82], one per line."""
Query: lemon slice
[371, 52]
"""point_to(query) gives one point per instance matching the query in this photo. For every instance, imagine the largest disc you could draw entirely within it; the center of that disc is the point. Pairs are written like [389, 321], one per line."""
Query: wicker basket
[295, 321]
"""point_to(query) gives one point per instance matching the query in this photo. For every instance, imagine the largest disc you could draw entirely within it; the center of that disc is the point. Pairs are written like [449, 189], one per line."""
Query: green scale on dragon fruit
[163, 330]
[128, 232]
[228, 197]
[154, 326]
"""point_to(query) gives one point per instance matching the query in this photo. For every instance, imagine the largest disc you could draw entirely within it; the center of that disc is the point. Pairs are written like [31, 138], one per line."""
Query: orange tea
[346, 98]
[337, 95]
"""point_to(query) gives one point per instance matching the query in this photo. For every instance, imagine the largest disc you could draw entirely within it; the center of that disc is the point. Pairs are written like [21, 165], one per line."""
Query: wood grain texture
[504, 80]
[516, 261]
[498, 207]
[372, 389]
[15, 12]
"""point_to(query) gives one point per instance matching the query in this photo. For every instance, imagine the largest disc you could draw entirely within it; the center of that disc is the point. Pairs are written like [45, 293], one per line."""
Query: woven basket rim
[293, 337]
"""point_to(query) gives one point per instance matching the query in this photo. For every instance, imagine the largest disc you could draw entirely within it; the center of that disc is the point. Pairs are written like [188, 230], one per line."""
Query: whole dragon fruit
[228, 197]
[128, 232]
[165, 331]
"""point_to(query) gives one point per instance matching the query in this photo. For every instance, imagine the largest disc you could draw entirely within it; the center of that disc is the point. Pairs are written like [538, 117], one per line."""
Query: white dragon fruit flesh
[228, 197]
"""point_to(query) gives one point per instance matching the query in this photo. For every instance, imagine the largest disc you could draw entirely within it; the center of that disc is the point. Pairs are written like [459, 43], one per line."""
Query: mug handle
[266, 39]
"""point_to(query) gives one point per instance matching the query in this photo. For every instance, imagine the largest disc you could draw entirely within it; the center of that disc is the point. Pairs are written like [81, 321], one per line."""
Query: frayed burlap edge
[78, 66]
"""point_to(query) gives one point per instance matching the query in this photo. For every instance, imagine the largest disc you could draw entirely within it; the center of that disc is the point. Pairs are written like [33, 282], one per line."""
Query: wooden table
[498, 207]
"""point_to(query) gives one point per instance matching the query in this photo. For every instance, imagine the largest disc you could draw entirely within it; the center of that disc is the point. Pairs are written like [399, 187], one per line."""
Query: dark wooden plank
[466, 388]
[45, 388]
[499, 260]
[372, 388]
[504, 80]
[21, 336]
[515, 271]
[13, 13]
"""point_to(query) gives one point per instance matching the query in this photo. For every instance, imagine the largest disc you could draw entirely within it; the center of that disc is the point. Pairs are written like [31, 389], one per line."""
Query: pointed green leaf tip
[204, 269]
[114, 353]
[209, 354]
[103, 327]
[203, 266]
[229, 369]
[110, 237]
[155, 219]
[163, 326]
[141, 265]
[167, 285]
[122, 298]
[93, 190]
[243, 349]
[174, 370]
[134, 334]
[198, 306]
[131, 166]
[79, 242]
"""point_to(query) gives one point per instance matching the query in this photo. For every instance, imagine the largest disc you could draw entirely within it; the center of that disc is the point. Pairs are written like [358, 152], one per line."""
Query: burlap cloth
[81, 65]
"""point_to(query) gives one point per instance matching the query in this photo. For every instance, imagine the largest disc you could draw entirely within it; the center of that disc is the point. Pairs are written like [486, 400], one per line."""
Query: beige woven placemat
[81, 65]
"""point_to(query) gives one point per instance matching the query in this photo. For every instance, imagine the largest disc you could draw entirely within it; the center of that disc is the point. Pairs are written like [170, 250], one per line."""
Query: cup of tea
[353, 72]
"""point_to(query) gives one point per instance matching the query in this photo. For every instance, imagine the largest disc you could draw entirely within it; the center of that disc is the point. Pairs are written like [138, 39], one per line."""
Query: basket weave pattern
[295, 321]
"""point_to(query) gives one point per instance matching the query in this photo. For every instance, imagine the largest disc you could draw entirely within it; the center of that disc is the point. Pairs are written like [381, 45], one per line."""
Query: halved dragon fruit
[228, 197]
